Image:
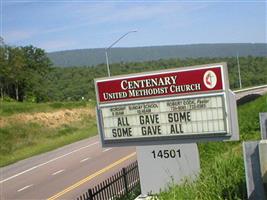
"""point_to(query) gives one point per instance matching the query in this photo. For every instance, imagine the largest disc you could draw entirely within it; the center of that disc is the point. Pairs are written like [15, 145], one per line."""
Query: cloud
[88, 14]
[18, 35]
[124, 12]
[62, 18]
[54, 45]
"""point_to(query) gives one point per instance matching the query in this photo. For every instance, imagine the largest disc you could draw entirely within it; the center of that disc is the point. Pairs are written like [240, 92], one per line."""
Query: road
[64, 173]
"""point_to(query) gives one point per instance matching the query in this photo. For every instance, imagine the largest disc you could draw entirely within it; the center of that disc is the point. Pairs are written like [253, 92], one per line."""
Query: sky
[56, 25]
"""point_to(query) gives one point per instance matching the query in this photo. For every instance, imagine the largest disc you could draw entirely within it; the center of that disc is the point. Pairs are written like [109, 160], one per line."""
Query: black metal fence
[116, 186]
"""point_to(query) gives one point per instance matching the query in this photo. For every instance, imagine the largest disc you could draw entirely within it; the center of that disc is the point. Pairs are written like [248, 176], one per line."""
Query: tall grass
[10, 108]
[22, 140]
[222, 168]
[248, 116]
[221, 179]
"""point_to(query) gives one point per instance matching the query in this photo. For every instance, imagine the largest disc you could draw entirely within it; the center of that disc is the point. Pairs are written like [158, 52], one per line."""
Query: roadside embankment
[34, 130]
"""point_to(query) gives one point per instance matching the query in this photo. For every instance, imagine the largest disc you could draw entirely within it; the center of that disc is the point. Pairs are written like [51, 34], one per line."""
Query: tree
[2, 67]
[16, 70]
[37, 65]
[23, 71]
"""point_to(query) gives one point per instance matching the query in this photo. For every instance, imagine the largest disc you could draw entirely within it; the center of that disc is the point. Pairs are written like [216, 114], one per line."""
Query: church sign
[163, 107]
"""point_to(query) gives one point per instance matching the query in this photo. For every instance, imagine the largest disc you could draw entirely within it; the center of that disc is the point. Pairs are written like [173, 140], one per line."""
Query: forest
[74, 83]
[23, 72]
[90, 57]
[27, 74]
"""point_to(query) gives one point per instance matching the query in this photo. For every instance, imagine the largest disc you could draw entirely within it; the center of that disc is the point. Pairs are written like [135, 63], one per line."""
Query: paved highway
[64, 173]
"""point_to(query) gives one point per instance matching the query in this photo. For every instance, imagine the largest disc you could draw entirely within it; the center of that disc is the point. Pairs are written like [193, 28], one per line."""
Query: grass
[23, 140]
[222, 169]
[10, 108]
[222, 173]
[132, 194]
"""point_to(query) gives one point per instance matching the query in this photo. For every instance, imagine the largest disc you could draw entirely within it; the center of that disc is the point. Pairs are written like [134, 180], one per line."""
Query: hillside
[76, 83]
[222, 173]
[89, 57]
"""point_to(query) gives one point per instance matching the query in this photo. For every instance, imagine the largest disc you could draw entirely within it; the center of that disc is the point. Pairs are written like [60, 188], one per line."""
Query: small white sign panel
[164, 165]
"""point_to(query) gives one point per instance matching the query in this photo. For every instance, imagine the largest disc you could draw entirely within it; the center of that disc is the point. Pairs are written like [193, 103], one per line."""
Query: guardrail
[249, 94]
[116, 186]
[248, 89]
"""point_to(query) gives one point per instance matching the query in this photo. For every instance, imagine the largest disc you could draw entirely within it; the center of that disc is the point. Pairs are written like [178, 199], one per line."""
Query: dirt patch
[50, 119]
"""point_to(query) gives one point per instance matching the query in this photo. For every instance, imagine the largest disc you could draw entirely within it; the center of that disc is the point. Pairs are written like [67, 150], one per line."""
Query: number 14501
[166, 153]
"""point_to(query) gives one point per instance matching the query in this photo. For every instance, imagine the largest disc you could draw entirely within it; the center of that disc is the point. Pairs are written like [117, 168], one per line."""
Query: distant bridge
[249, 94]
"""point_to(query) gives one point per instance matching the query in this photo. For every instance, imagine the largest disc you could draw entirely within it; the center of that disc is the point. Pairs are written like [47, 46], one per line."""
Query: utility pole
[2, 43]
[239, 74]
[2, 46]
[108, 48]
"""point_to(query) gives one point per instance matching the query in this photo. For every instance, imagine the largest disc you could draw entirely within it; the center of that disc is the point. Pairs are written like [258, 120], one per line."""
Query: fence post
[90, 194]
[125, 179]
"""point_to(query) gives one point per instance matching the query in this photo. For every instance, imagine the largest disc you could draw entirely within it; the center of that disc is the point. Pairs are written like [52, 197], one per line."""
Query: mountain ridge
[95, 56]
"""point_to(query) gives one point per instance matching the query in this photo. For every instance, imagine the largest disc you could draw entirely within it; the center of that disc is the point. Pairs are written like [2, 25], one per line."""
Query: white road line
[106, 150]
[58, 172]
[83, 160]
[24, 188]
[42, 164]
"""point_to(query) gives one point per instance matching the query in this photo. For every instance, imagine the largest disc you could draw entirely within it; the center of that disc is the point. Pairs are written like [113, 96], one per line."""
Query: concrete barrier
[254, 182]
[263, 124]
[263, 162]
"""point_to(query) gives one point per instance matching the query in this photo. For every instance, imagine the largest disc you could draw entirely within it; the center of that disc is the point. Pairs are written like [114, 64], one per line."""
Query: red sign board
[159, 84]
